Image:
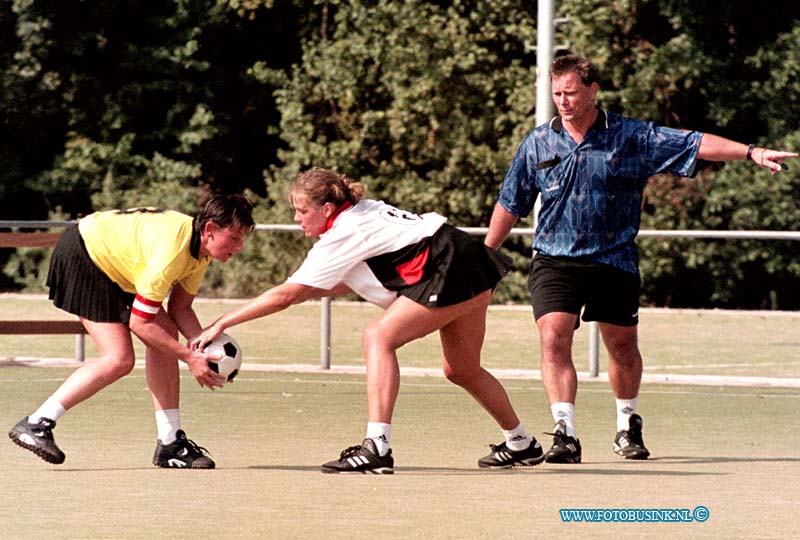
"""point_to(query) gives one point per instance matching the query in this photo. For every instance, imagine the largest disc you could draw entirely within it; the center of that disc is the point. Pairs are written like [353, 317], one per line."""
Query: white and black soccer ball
[229, 353]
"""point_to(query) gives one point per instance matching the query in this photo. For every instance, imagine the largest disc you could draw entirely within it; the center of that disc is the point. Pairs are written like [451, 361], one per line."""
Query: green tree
[420, 100]
[168, 82]
[112, 104]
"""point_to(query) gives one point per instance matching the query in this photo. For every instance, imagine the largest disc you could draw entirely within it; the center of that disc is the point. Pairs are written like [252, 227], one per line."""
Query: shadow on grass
[397, 470]
[639, 468]
[57, 468]
[456, 471]
[720, 459]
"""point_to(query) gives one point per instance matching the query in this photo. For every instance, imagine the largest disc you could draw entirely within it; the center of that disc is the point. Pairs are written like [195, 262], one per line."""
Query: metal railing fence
[594, 341]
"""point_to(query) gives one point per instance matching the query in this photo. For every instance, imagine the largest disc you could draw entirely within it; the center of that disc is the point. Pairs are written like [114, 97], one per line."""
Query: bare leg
[560, 383]
[625, 360]
[116, 360]
[625, 376]
[34, 432]
[558, 371]
[462, 331]
[462, 340]
[161, 370]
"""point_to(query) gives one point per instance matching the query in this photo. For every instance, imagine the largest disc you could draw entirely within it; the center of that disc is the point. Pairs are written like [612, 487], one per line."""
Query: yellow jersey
[145, 251]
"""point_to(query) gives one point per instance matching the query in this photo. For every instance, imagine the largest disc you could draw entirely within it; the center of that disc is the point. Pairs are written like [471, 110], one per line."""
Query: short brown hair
[226, 211]
[574, 64]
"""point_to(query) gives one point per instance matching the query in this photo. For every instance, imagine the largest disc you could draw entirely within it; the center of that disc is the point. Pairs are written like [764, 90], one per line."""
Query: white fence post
[594, 348]
[325, 334]
[80, 347]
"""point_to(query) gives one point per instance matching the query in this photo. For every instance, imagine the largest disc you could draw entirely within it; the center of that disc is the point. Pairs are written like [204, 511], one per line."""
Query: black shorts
[459, 267]
[564, 284]
[79, 287]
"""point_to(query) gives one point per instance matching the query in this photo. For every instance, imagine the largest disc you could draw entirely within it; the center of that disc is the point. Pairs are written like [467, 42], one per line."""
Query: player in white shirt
[427, 276]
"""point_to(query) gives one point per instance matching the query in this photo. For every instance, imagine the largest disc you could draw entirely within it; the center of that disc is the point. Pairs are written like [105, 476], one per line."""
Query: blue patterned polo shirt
[592, 191]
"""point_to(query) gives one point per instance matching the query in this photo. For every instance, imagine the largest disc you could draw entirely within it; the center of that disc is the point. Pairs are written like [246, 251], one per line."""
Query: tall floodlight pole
[545, 30]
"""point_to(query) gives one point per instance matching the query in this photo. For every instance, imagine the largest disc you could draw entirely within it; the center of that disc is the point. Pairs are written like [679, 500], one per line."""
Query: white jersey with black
[367, 230]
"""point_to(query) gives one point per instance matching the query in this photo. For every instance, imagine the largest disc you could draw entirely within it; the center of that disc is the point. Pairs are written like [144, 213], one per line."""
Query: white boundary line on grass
[514, 374]
[535, 375]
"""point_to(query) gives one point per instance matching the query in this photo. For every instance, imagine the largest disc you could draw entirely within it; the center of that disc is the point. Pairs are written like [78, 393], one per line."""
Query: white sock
[382, 435]
[51, 409]
[517, 439]
[566, 412]
[168, 422]
[625, 408]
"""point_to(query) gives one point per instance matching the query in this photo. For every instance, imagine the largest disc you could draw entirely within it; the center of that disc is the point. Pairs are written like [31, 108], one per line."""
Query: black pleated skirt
[79, 287]
[459, 267]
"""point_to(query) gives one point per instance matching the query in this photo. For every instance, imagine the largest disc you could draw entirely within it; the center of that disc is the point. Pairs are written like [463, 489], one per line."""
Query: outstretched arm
[272, 301]
[716, 148]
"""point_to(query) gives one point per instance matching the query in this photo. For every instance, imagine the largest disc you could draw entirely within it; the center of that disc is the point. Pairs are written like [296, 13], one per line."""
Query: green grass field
[733, 450]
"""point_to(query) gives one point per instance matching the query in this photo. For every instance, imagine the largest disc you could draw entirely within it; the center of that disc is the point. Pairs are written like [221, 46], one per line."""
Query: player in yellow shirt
[113, 271]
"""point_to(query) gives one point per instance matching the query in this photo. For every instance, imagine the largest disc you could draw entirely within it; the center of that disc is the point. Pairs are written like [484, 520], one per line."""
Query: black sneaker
[565, 449]
[38, 438]
[628, 443]
[182, 454]
[502, 457]
[363, 459]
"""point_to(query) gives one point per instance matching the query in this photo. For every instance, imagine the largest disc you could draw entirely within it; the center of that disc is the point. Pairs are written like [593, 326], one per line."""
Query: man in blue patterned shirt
[590, 167]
